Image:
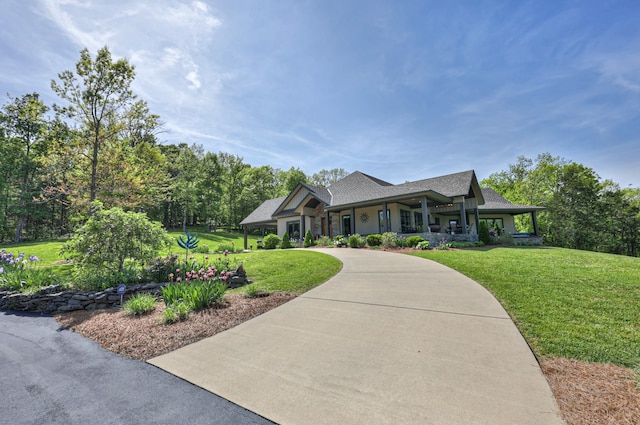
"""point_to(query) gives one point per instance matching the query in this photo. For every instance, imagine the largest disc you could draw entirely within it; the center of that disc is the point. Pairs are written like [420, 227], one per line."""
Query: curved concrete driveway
[391, 339]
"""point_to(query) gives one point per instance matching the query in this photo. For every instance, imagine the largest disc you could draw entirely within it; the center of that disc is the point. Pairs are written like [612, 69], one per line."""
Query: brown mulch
[144, 337]
[594, 393]
[586, 393]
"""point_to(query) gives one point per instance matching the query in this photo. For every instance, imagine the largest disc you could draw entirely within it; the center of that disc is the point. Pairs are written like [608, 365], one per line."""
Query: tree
[98, 94]
[288, 180]
[233, 167]
[110, 237]
[24, 124]
[325, 178]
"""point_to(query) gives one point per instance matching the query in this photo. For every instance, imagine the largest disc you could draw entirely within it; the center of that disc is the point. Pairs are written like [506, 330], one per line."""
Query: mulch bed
[144, 337]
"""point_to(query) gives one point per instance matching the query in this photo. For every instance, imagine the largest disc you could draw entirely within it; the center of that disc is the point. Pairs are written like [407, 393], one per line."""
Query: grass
[214, 239]
[139, 304]
[567, 303]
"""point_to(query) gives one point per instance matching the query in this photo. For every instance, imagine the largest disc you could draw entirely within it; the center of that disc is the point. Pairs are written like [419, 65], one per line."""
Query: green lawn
[567, 303]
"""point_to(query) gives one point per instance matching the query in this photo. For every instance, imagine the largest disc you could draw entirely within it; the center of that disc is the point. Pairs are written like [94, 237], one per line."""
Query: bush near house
[308, 239]
[271, 241]
[374, 239]
[356, 241]
[483, 233]
[413, 241]
[286, 242]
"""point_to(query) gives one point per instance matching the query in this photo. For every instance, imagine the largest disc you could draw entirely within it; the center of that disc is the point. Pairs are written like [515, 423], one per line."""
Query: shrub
[506, 239]
[175, 312]
[227, 247]
[389, 239]
[462, 244]
[356, 241]
[19, 273]
[444, 244]
[324, 241]
[139, 304]
[424, 245]
[159, 269]
[412, 241]
[483, 233]
[340, 241]
[195, 294]
[374, 239]
[109, 237]
[90, 279]
[254, 291]
[308, 239]
[202, 249]
[286, 242]
[271, 241]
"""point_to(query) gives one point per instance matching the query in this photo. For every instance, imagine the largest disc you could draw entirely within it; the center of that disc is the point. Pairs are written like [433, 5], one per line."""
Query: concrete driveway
[53, 376]
[391, 339]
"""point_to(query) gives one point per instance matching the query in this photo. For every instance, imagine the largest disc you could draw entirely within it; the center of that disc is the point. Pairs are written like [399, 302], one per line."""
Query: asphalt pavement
[53, 376]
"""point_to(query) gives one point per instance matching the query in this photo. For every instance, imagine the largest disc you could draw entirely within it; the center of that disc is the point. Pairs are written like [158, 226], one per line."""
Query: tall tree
[24, 124]
[288, 180]
[97, 95]
[232, 167]
[324, 178]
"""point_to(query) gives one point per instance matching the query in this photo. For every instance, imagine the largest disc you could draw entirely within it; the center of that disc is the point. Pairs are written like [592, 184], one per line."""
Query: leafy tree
[185, 188]
[324, 178]
[98, 94]
[233, 167]
[109, 237]
[288, 180]
[209, 189]
[24, 130]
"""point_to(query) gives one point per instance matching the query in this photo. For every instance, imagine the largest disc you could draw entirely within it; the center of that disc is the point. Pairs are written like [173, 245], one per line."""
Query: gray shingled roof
[359, 187]
[264, 213]
[493, 201]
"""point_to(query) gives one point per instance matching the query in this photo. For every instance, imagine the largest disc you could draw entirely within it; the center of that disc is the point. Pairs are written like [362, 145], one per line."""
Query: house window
[493, 223]
[417, 218]
[346, 224]
[405, 221]
[381, 222]
[293, 229]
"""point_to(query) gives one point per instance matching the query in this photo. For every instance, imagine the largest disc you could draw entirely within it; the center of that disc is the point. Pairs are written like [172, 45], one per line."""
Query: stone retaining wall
[52, 299]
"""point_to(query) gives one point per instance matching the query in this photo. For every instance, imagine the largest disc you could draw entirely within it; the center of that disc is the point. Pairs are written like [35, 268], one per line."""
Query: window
[293, 229]
[346, 224]
[405, 221]
[417, 218]
[381, 221]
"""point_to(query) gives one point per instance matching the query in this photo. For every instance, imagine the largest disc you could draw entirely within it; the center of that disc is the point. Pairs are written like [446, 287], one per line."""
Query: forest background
[101, 142]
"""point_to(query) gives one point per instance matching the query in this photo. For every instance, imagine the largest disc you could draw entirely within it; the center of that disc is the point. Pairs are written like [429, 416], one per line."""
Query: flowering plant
[16, 272]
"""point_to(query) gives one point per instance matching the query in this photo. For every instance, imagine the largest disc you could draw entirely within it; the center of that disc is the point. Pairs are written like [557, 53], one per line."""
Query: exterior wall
[508, 220]
[295, 201]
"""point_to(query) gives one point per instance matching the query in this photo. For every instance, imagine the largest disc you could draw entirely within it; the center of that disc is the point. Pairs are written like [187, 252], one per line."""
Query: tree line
[101, 143]
[582, 211]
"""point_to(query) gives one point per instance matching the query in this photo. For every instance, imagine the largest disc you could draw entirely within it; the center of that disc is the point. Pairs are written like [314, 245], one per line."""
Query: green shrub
[227, 247]
[139, 304]
[271, 241]
[423, 245]
[412, 241]
[356, 241]
[444, 244]
[308, 239]
[89, 279]
[506, 238]
[340, 241]
[202, 249]
[110, 237]
[196, 294]
[483, 233]
[286, 242]
[389, 240]
[324, 241]
[374, 239]
[175, 312]
[462, 244]
[253, 291]
[159, 269]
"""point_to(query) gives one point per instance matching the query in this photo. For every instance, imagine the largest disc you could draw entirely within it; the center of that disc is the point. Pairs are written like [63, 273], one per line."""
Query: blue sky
[401, 90]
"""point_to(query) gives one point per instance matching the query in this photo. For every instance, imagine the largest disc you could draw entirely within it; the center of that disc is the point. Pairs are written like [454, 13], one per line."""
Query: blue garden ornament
[191, 242]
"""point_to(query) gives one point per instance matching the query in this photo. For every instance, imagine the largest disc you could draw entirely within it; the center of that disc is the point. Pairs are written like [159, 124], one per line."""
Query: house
[449, 207]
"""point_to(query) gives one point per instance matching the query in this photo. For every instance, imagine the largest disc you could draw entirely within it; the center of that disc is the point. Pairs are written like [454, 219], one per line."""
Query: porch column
[534, 218]
[386, 226]
[463, 217]
[477, 214]
[425, 215]
[328, 224]
[246, 236]
[302, 227]
[352, 221]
